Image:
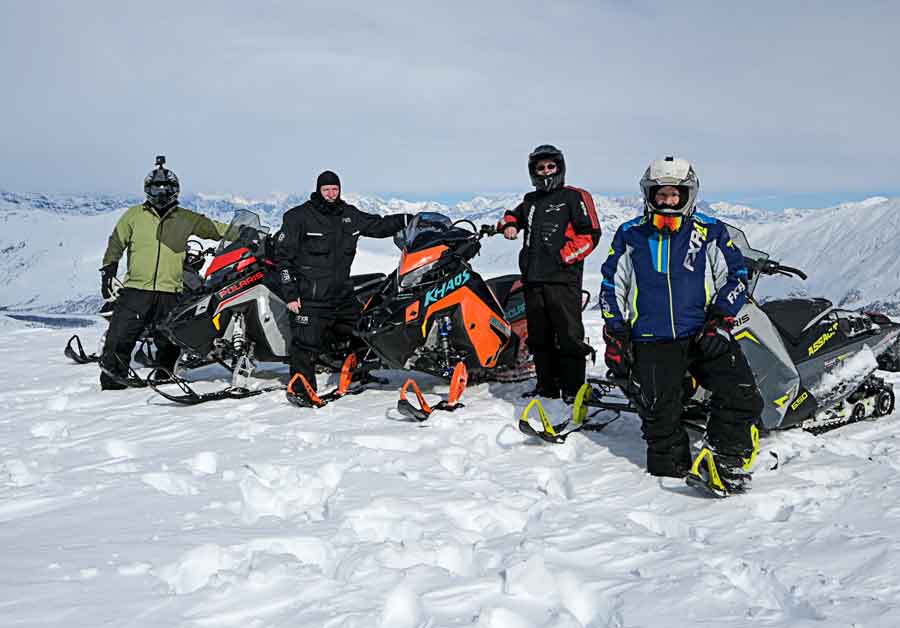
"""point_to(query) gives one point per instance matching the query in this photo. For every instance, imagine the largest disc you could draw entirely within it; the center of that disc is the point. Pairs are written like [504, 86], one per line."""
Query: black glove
[714, 339]
[107, 275]
[618, 356]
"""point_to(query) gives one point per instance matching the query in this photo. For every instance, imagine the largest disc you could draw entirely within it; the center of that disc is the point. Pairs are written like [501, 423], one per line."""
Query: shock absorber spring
[237, 337]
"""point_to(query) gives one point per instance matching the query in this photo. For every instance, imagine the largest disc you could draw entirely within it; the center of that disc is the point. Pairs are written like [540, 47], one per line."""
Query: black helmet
[161, 186]
[675, 172]
[549, 182]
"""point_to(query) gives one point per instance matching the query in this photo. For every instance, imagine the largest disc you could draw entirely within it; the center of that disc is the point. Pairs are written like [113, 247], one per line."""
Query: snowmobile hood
[411, 260]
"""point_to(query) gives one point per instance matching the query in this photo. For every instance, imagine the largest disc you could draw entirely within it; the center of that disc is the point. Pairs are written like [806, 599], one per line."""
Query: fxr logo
[698, 237]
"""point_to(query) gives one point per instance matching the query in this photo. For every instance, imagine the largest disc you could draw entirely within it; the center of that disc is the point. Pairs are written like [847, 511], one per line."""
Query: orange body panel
[477, 317]
[412, 312]
[411, 261]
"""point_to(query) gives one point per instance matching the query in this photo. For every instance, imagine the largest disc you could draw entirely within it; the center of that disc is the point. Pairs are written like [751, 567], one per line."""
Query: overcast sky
[434, 100]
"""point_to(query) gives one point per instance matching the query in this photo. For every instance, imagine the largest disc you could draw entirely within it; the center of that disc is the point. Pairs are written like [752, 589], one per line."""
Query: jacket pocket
[316, 244]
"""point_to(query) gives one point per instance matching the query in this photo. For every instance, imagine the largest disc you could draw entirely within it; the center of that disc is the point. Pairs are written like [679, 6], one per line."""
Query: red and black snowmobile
[194, 260]
[437, 315]
[239, 317]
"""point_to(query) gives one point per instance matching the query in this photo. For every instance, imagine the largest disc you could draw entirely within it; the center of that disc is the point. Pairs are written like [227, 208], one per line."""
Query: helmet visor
[162, 190]
[661, 197]
[666, 222]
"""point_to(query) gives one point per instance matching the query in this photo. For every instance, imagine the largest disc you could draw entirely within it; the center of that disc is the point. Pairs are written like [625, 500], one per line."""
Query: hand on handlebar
[488, 230]
[294, 306]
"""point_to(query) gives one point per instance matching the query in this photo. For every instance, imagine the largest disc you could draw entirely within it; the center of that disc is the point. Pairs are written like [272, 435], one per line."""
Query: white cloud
[407, 97]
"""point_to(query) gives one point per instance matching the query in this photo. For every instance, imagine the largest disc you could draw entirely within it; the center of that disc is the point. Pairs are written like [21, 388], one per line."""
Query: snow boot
[541, 390]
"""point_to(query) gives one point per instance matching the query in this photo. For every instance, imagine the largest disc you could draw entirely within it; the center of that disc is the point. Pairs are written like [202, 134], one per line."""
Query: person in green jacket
[155, 234]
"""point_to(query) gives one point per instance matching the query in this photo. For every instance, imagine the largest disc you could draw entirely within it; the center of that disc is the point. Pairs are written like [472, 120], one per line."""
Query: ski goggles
[667, 222]
[162, 190]
[551, 167]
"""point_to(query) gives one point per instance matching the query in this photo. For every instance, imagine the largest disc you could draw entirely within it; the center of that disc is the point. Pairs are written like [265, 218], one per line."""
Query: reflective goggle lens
[663, 222]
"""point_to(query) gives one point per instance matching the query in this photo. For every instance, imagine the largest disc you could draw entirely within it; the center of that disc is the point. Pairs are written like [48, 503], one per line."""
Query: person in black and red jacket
[315, 249]
[561, 228]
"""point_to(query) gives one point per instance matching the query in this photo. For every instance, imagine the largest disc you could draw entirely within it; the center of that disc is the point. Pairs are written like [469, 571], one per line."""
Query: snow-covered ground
[120, 509]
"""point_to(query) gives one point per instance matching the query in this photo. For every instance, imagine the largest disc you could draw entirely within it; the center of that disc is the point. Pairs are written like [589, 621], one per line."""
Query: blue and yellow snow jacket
[660, 285]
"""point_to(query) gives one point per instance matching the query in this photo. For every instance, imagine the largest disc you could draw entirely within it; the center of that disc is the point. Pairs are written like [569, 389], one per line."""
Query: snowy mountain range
[51, 245]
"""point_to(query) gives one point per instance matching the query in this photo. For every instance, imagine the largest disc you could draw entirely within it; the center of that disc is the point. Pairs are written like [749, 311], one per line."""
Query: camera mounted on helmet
[670, 188]
[161, 186]
[547, 179]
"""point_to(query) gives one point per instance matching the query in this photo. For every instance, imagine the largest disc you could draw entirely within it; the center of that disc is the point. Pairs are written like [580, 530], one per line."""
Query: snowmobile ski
[704, 473]
[75, 352]
[307, 397]
[192, 397]
[579, 422]
[458, 381]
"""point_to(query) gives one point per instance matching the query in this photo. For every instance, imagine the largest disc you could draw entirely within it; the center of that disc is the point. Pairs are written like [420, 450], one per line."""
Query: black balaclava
[327, 178]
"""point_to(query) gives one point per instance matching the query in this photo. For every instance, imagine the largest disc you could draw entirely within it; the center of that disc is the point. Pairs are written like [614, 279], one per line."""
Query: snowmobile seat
[501, 286]
[791, 316]
[361, 282]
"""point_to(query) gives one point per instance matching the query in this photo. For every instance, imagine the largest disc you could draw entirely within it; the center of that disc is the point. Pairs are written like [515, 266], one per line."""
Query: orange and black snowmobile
[437, 315]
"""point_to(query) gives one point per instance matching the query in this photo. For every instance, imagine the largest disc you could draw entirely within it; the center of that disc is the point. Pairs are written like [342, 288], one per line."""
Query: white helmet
[672, 171]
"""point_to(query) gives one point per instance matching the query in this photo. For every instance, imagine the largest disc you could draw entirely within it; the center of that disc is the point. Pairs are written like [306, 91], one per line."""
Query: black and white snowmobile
[239, 318]
[814, 363]
[145, 354]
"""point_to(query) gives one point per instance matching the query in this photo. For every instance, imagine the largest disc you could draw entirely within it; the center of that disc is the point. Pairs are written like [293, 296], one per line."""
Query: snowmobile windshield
[424, 230]
[750, 254]
[244, 225]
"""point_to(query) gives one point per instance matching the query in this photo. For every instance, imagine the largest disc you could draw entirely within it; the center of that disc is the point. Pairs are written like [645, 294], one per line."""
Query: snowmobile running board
[76, 353]
[458, 381]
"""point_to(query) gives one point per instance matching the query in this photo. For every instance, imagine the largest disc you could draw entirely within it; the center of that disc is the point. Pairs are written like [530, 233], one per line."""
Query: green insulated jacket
[156, 246]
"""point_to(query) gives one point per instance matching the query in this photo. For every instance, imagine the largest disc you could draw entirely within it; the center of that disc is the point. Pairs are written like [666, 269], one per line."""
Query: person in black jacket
[561, 229]
[314, 252]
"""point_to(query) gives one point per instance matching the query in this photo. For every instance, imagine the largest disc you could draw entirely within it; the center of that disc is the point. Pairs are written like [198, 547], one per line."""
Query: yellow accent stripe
[754, 437]
[215, 322]
[669, 282]
[747, 334]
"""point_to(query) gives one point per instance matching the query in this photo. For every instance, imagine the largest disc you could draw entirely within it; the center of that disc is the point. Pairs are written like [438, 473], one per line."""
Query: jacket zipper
[159, 243]
[338, 227]
[669, 282]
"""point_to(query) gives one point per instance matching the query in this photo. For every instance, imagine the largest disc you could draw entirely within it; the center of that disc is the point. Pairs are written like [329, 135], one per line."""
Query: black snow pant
[735, 404]
[313, 328]
[556, 336]
[134, 311]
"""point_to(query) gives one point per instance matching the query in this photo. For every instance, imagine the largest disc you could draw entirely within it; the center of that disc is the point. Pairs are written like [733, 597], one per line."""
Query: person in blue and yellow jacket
[672, 286]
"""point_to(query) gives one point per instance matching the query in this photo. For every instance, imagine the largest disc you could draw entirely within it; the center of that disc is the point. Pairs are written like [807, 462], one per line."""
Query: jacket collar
[330, 209]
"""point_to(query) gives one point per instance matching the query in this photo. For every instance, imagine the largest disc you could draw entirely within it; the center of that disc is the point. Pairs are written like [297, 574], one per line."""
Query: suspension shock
[445, 329]
[237, 336]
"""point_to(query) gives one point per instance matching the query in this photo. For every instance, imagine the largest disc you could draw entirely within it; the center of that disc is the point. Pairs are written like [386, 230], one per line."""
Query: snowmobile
[194, 260]
[814, 364]
[239, 318]
[437, 315]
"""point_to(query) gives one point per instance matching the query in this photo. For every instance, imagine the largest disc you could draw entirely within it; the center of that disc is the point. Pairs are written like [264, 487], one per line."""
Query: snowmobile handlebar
[770, 267]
